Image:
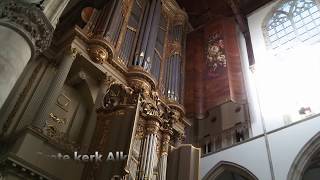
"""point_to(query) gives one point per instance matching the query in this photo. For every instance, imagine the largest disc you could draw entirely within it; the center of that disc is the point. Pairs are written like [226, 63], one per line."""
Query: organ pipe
[173, 78]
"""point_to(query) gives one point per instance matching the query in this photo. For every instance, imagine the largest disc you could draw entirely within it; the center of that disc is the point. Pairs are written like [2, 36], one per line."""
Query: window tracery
[292, 22]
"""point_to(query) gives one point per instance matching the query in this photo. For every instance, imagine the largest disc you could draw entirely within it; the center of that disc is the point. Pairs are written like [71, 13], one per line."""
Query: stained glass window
[292, 22]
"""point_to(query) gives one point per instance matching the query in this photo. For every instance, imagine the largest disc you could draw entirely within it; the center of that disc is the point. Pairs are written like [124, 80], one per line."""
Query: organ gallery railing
[226, 138]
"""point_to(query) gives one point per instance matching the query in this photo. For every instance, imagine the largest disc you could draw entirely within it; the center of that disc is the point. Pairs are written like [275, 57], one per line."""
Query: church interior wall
[282, 143]
[250, 86]
[223, 104]
[286, 143]
[256, 162]
[253, 153]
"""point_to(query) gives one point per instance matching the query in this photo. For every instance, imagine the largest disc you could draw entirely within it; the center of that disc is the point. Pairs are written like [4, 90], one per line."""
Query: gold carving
[74, 52]
[140, 86]
[108, 80]
[180, 137]
[165, 144]
[174, 116]
[98, 54]
[51, 130]
[56, 119]
[180, 19]
[152, 127]
[117, 94]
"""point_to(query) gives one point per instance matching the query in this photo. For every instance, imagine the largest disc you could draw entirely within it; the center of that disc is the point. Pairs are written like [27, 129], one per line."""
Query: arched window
[288, 69]
[292, 22]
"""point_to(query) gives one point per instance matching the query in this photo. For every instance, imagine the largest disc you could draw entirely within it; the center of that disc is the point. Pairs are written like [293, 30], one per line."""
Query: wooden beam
[243, 25]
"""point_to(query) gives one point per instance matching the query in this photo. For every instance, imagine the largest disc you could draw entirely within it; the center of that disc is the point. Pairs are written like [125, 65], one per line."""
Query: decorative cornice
[30, 20]
[137, 72]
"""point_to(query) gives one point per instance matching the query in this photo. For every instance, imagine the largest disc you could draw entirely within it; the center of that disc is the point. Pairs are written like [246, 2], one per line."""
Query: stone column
[164, 154]
[149, 150]
[55, 88]
[53, 10]
[24, 32]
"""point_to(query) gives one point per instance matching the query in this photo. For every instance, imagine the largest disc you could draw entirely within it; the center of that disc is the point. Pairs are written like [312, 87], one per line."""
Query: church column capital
[152, 127]
[27, 20]
[166, 136]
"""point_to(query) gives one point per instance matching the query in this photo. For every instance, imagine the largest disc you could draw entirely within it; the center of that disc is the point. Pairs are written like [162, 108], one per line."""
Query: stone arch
[223, 166]
[303, 160]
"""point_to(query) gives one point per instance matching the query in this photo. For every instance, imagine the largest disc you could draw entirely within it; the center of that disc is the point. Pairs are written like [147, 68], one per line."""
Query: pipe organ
[111, 81]
[144, 41]
[145, 36]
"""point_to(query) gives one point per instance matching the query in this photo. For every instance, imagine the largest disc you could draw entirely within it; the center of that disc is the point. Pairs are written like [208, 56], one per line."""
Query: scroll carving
[117, 94]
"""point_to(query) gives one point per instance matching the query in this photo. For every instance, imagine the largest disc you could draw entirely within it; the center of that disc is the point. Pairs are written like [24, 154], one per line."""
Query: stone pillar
[164, 155]
[149, 150]
[184, 163]
[55, 88]
[24, 32]
[53, 10]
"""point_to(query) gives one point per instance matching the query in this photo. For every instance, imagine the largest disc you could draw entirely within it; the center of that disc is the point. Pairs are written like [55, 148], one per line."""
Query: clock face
[215, 55]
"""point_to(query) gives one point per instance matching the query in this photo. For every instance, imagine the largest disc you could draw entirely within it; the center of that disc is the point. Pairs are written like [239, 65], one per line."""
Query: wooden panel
[194, 80]
[236, 82]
